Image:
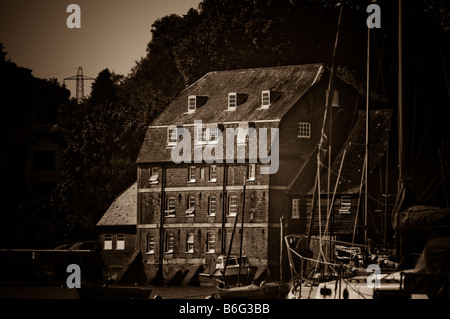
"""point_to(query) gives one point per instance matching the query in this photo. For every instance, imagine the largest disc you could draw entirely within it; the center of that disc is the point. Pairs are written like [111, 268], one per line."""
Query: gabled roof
[123, 211]
[291, 81]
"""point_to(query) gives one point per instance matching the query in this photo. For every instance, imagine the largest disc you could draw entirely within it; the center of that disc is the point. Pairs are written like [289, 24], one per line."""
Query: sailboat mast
[401, 159]
[367, 137]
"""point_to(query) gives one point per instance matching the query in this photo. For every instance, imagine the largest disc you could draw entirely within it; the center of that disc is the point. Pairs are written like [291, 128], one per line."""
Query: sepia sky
[113, 34]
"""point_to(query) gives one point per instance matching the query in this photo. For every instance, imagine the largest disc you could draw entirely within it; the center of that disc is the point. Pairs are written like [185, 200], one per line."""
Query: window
[304, 130]
[207, 134]
[265, 97]
[251, 172]
[170, 240]
[242, 133]
[232, 206]
[213, 173]
[212, 206]
[120, 244]
[172, 135]
[191, 174]
[210, 242]
[154, 175]
[346, 204]
[170, 207]
[213, 134]
[150, 244]
[190, 211]
[108, 242]
[335, 98]
[202, 134]
[190, 242]
[232, 100]
[192, 103]
[295, 208]
[44, 160]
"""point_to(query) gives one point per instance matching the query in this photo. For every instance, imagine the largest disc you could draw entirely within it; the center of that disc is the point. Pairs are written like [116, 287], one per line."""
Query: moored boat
[237, 270]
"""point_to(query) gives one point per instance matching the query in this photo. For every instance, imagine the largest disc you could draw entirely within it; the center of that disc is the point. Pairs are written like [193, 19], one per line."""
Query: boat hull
[232, 276]
[252, 291]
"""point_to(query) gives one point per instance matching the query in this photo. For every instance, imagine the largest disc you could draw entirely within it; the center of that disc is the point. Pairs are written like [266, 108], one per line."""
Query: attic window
[195, 101]
[335, 101]
[268, 97]
[265, 97]
[192, 103]
[236, 99]
[232, 100]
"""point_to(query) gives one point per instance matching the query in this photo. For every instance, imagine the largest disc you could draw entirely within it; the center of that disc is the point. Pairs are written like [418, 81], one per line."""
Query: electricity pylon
[80, 83]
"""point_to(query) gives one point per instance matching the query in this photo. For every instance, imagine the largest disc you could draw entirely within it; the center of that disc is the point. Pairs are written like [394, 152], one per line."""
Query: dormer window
[232, 100]
[235, 99]
[195, 101]
[265, 97]
[268, 97]
[192, 103]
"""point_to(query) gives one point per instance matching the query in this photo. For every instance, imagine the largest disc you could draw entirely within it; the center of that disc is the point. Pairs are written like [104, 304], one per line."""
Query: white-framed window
[107, 243]
[202, 134]
[192, 103]
[213, 134]
[295, 212]
[304, 130]
[210, 242]
[190, 242]
[232, 206]
[120, 242]
[150, 244]
[191, 174]
[170, 207]
[335, 101]
[346, 204]
[154, 172]
[251, 172]
[265, 98]
[207, 134]
[243, 132]
[172, 135]
[190, 211]
[212, 206]
[170, 240]
[232, 101]
[213, 173]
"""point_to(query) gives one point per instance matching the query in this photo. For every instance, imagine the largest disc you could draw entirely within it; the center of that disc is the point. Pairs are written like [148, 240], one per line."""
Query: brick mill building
[186, 211]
